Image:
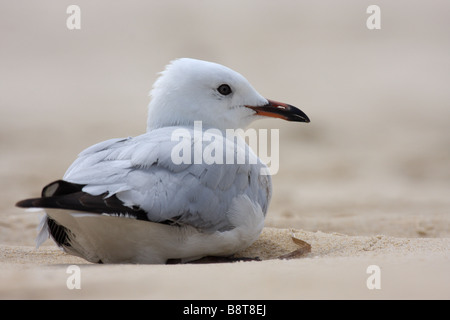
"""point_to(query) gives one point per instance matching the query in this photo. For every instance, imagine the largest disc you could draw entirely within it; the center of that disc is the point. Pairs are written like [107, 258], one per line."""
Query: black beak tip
[305, 119]
[298, 115]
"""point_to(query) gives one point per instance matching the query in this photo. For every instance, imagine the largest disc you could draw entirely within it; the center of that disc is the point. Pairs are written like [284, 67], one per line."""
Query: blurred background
[375, 158]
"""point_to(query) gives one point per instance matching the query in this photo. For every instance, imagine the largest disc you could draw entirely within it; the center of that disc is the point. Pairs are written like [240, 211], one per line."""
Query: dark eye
[224, 89]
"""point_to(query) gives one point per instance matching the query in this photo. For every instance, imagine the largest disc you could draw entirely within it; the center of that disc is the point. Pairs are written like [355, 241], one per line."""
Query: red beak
[280, 110]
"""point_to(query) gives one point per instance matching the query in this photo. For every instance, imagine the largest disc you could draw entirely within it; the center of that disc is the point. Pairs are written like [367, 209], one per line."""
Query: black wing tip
[55, 188]
[61, 194]
[61, 187]
[29, 203]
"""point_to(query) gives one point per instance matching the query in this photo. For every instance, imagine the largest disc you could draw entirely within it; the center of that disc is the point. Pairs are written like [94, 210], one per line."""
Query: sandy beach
[335, 269]
[366, 183]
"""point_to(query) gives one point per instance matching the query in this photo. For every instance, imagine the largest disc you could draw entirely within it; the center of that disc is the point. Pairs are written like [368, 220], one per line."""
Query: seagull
[127, 201]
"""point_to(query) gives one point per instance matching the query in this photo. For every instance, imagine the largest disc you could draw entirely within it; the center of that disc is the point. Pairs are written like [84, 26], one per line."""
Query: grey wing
[141, 173]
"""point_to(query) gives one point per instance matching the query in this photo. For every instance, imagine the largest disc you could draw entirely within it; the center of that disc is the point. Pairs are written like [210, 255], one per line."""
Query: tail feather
[43, 232]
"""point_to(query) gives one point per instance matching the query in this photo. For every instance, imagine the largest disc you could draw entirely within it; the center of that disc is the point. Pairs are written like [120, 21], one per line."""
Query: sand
[365, 183]
[336, 268]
